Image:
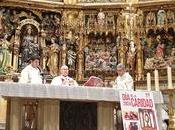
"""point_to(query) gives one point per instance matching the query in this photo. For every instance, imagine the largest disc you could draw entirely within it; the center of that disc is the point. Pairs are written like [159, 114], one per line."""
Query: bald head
[64, 70]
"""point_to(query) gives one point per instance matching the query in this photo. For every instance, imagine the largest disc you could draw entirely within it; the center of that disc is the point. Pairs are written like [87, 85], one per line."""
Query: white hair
[121, 66]
[64, 67]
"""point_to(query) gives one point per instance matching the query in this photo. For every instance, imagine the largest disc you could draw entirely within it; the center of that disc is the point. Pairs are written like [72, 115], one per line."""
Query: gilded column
[80, 75]
[63, 37]
[139, 61]
[63, 54]
[44, 49]
[16, 50]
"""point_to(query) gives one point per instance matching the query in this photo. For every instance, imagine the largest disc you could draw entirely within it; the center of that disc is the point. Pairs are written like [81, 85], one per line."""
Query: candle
[148, 81]
[156, 79]
[170, 85]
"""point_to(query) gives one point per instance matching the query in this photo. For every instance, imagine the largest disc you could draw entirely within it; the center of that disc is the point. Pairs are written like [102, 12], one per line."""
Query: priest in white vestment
[31, 73]
[63, 79]
[124, 81]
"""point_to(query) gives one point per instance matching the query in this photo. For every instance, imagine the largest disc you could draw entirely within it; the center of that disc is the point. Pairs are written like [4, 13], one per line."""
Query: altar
[95, 106]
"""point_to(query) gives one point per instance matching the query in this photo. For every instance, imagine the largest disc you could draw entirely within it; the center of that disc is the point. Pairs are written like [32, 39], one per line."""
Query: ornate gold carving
[28, 21]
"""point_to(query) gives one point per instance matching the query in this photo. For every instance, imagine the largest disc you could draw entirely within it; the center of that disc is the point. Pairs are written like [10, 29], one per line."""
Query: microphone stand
[42, 75]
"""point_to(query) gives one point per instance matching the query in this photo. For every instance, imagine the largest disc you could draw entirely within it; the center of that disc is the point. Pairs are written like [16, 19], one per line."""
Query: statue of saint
[45, 22]
[5, 55]
[160, 50]
[113, 61]
[150, 19]
[131, 56]
[170, 17]
[29, 46]
[139, 17]
[101, 18]
[122, 50]
[71, 57]
[161, 17]
[120, 21]
[53, 57]
[15, 19]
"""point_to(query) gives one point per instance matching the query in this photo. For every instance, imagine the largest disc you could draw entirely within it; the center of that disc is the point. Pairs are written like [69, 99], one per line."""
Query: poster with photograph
[138, 111]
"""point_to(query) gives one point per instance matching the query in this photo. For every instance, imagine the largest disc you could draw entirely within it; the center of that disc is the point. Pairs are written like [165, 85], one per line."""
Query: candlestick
[169, 73]
[148, 81]
[156, 79]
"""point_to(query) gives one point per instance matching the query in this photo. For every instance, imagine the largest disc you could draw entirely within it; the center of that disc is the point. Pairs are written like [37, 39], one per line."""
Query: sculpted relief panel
[158, 41]
[93, 44]
[29, 32]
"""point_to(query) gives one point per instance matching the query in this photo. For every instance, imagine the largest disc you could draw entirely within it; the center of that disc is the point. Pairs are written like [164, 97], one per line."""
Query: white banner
[138, 111]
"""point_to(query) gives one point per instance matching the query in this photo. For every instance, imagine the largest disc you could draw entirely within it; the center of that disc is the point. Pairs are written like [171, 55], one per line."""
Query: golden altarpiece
[90, 36]
[90, 39]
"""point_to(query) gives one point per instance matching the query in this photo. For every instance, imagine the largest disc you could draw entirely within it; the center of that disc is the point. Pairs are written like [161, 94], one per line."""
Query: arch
[28, 21]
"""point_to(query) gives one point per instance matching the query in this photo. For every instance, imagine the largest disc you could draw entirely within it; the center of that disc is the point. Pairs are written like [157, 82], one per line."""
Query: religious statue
[110, 21]
[29, 46]
[101, 18]
[150, 19]
[91, 22]
[113, 61]
[8, 26]
[122, 49]
[15, 19]
[170, 17]
[89, 61]
[57, 25]
[131, 56]
[57, 20]
[30, 115]
[71, 57]
[149, 63]
[120, 21]
[139, 18]
[45, 22]
[161, 17]
[5, 54]
[160, 49]
[53, 58]
[149, 47]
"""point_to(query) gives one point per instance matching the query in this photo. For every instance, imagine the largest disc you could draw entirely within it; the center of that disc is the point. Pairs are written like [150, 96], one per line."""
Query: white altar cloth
[81, 93]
